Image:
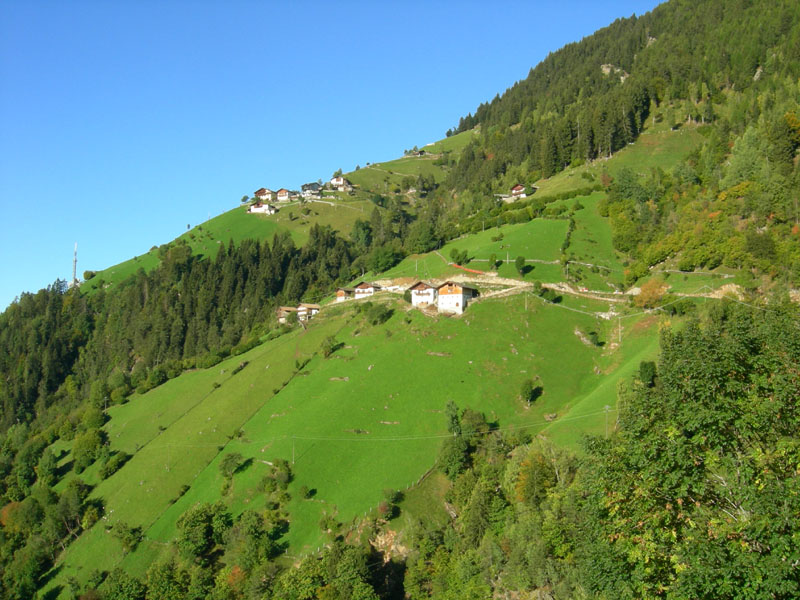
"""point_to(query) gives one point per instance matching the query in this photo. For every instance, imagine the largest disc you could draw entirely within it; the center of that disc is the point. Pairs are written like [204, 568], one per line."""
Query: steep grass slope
[366, 419]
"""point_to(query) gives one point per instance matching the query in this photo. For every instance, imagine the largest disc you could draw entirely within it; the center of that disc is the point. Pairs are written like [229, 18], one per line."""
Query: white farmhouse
[340, 183]
[453, 297]
[423, 294]
[264, 194]
[306, 311]
[518, 191]
[344, 293]
[265, 209]
[364, 289]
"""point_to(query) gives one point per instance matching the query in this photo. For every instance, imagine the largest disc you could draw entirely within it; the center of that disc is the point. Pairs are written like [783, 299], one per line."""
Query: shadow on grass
[244, 466]
[47, 578]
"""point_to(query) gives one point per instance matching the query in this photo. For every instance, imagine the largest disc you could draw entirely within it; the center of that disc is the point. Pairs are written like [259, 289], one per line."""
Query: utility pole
[293, 449]
[606, 408]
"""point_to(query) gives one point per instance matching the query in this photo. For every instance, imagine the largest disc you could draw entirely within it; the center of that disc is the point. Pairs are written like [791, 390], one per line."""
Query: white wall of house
[425, 296]
[453, 298]
[452, 303]
[364, 292]
[264, 208]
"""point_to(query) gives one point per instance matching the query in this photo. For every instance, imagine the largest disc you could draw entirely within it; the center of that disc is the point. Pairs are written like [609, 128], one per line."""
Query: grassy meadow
[369, 417]
[657, 147]
[236, 225]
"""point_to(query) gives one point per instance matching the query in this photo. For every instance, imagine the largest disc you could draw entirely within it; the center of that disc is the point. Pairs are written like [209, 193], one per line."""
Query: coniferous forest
[694, 494]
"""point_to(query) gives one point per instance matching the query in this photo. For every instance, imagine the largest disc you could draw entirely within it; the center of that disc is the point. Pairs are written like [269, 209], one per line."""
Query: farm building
[343, 294]
[283, 195]
[310, 190]
[258, 207]
[453, 297]
[264, 194]
[340, 183]
[422, 294]
[284, 312]
[518, 191]
[306, 311]
[364, 289]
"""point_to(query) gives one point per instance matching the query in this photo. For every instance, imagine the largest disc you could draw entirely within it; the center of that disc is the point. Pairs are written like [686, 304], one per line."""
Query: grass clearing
[659, 148]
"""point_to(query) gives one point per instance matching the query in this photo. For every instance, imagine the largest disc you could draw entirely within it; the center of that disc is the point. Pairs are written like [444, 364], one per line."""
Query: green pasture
[660, 148]
[366, 419]
[454, 143]
[120, 272]
[423, 266]
[693, 282]
[370, 417]
[236, 225]
[177, 443]
[539, 239]
[588, 415]
[590, 243]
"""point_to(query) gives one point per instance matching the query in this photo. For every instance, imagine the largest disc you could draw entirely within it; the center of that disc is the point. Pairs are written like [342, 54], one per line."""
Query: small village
[449, 297]
[263, 197]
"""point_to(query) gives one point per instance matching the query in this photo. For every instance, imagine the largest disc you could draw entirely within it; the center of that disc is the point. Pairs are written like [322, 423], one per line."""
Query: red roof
[518, 188]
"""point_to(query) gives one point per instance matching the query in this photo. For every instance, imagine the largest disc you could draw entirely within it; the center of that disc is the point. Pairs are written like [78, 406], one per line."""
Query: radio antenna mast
[75, 266]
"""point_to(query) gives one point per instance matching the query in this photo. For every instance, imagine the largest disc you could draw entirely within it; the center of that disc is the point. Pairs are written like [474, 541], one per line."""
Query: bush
[329, 346]
[239, 367]
[129, 537]
[459, 257]
[378, 313]
[114, 464]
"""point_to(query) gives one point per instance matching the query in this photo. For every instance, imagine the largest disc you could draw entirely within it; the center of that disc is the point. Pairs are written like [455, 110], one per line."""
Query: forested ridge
[592, 97]
[62, 347]
[694, 494]
[728, 70]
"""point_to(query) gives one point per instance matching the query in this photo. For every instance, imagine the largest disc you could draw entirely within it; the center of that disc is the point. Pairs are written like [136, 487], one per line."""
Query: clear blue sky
[122, 122]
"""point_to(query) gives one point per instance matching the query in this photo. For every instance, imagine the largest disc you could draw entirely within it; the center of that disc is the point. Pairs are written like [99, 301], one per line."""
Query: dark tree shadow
[536, 393]
[244, 466]
[65, 468]
[387, 577]
[53, 593]
[47, 578]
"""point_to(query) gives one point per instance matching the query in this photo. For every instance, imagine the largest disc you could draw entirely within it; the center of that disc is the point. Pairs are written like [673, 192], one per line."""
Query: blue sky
[122, 122]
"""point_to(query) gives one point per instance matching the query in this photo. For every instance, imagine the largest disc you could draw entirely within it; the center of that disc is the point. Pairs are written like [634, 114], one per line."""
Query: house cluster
[360, 290]
[448, 297]
[263, 197]
[303, 311]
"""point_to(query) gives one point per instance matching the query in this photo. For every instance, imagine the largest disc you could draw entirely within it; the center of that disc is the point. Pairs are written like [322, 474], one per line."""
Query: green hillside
[614, 416]
[373, 409]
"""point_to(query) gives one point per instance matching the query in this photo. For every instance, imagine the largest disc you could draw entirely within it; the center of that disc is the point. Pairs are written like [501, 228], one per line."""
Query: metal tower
[75, 266]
